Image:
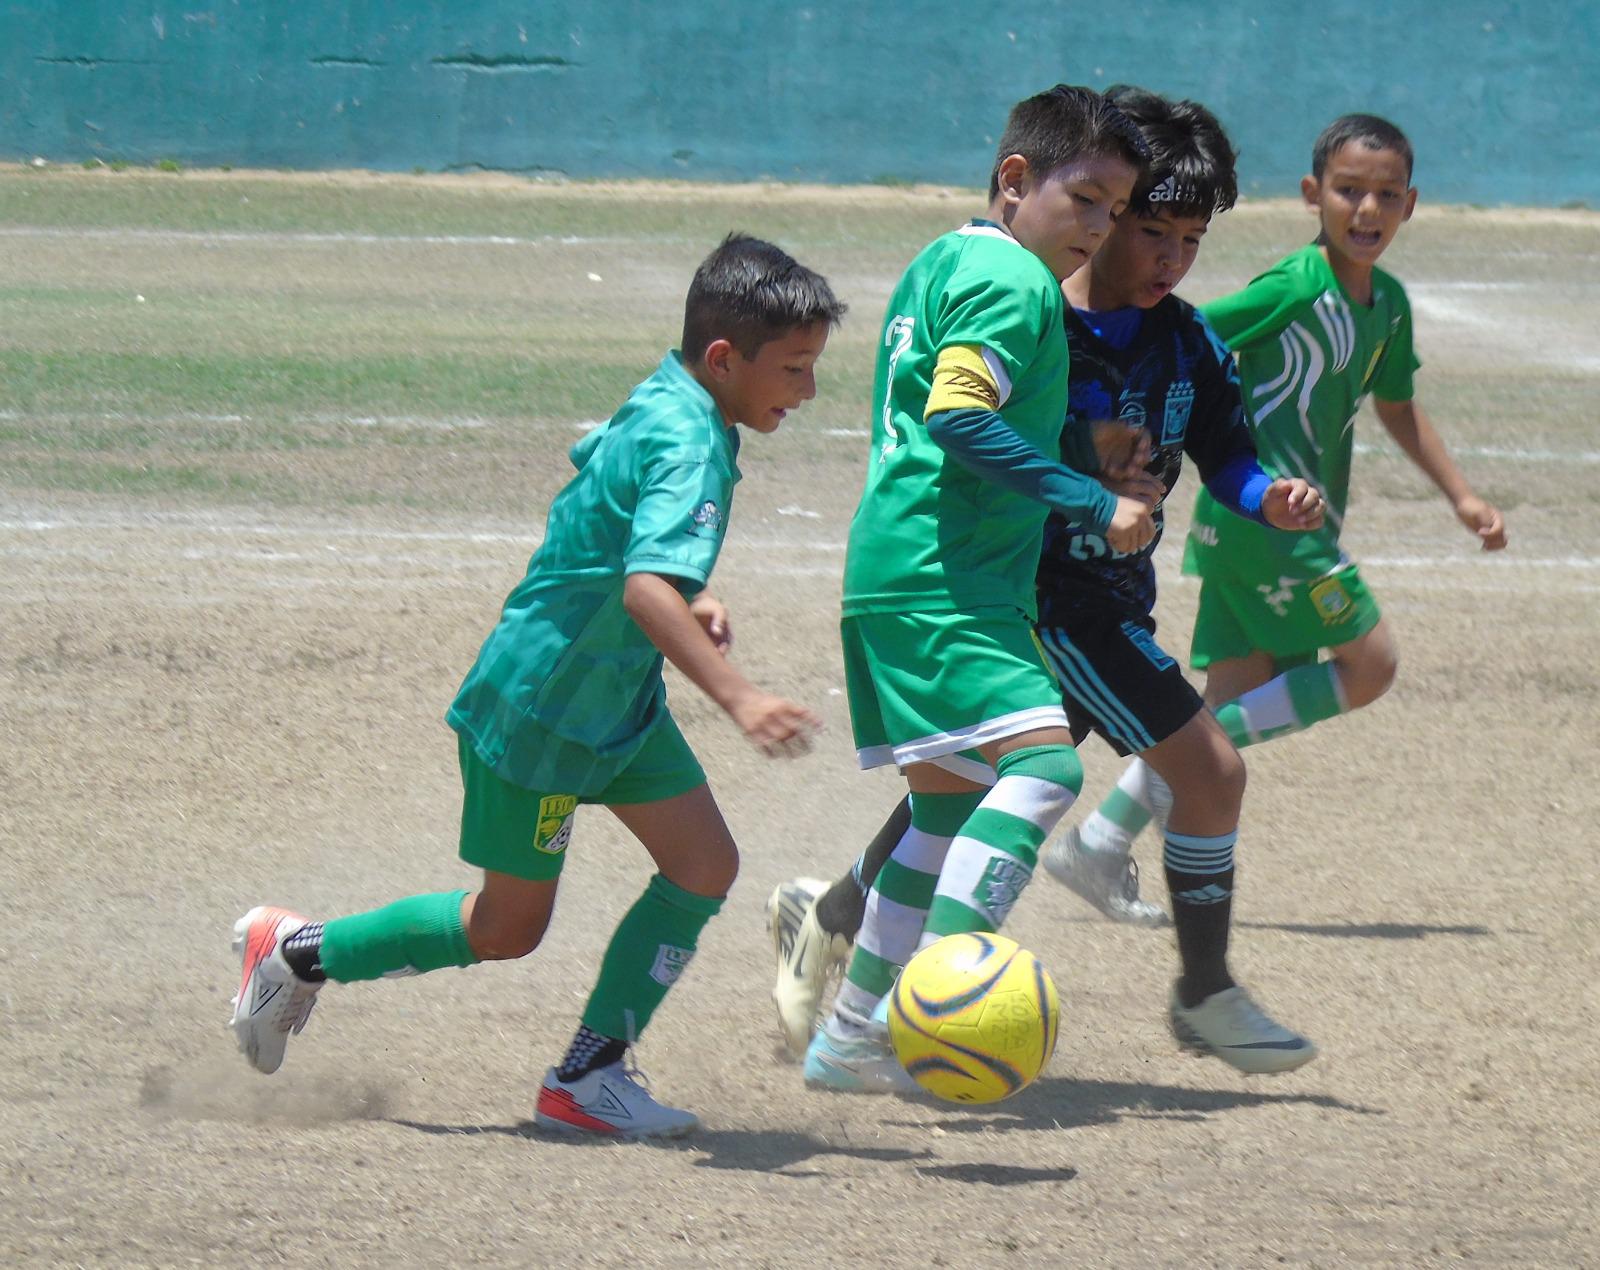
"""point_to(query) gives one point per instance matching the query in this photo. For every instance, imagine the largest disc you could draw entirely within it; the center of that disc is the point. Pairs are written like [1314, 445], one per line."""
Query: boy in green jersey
[566, 705]
[1314, 336]
[943, 673]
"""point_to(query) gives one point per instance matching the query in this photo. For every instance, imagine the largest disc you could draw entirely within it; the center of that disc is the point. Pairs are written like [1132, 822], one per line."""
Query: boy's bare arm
[777, 726]
[1414, 433]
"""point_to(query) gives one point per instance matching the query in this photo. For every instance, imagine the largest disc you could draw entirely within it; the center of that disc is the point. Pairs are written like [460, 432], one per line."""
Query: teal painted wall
[1502, 99]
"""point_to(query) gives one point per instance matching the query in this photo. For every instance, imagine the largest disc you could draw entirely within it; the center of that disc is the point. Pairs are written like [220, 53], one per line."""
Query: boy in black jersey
[1144, 358]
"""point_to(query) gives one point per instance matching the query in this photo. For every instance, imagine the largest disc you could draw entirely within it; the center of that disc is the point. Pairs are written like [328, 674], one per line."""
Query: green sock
[414, 935]
[1290, 703]
[652, 945]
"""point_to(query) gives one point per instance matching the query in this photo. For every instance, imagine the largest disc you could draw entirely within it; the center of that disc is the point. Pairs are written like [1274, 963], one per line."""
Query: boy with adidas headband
[566, 705]
[1142, 356]
[942, 670]
[1314, 335]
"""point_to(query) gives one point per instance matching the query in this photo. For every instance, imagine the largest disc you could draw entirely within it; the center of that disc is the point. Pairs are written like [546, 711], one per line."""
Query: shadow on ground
[1064, 1103]
[1369, 930]
[759, 1151]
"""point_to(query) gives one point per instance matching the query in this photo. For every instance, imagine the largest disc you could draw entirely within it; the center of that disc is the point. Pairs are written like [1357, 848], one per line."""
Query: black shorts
[1117, 681]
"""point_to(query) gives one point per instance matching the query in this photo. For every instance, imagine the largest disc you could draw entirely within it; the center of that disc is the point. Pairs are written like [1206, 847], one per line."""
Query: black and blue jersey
[1175, 379]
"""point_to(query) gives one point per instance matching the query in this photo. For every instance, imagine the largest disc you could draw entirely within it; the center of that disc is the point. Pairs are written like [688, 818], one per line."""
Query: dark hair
[1052, 128]
[1369, 130]
[1192, 161]
[748, 292]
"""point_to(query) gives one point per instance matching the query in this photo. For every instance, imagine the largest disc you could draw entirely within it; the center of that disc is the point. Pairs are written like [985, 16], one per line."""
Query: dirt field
[253, 527]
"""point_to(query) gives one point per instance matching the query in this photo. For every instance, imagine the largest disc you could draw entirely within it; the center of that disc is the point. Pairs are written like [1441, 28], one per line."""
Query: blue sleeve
[1240, 485]
[986, 445]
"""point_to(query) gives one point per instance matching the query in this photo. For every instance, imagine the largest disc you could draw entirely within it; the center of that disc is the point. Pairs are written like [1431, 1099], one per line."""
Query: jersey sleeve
[1219, 432]
[1265, 307]
[1007, 312]
[679, 517]
[1397, 364]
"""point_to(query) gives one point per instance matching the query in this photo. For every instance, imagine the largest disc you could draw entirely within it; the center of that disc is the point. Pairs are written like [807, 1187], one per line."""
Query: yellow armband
[967, 377]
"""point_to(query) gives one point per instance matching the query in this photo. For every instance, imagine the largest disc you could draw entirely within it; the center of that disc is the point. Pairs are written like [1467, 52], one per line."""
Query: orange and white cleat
[272, 1002]
[609, 1102]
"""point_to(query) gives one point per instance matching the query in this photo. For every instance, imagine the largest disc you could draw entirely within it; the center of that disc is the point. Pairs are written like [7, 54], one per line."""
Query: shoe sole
[798, 1040]
[245, 1032]
[581, 1123]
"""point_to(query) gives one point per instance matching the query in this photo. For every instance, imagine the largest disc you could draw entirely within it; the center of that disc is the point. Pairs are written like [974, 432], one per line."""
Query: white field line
[448, 423]
[266, 236]
[768, 555]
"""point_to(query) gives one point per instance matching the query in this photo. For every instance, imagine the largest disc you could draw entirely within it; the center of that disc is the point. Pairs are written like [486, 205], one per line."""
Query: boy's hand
[1137, 484]
[712, 614]
[1485, 520]
[777, 727]
[1122, 449]
[1292, 503]
[1132, 526]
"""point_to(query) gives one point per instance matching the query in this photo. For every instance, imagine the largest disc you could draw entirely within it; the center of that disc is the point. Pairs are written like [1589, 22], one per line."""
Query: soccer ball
[973, 1018]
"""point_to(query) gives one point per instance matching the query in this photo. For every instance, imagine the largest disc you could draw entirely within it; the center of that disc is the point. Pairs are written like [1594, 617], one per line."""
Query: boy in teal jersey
[566, 705]
[1314, 336]
[944, 675]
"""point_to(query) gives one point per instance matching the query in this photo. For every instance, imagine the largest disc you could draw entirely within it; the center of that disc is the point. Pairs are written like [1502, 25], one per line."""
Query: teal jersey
[652, 495]
[929, 535]
[1308, 356]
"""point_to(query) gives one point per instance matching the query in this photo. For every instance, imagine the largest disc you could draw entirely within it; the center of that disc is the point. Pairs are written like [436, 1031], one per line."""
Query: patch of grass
[169, 165]
[146, 479]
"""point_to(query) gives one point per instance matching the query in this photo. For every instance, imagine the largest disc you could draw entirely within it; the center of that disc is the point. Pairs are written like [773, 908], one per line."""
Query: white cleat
[610, 1102]
[808, 958]
[272, 1003]
[1229, 1025]
[1107, 881]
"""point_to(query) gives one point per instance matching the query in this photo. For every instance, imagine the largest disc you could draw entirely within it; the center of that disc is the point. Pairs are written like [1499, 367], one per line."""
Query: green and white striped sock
[897, 905]
[991, 860]
[1290, 703]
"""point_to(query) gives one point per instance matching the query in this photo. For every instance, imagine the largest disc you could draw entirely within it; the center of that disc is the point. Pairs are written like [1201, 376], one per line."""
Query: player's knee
[1369, 676]
[503, 932]
[710, 871]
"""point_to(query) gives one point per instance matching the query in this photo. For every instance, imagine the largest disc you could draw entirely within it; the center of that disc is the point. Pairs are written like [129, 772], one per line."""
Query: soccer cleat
[808, 957]
[611, 1101]
[857, 1065]
[1108, 881]
[1231, 1026]
[272, 1002]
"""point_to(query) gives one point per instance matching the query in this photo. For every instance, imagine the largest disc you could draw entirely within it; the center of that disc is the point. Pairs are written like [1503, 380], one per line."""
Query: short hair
[1192, 162]
[1369, 130]
[749, 292]
[1067, 122]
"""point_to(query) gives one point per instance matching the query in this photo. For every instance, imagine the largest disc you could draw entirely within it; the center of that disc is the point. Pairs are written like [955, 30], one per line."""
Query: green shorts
[506, 828]
[928, 686]
[1270, 610]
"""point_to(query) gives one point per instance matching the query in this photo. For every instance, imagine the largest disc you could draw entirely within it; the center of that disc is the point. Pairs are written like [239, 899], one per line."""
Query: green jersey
[652, 495]
[1308, 356]
[929, 535]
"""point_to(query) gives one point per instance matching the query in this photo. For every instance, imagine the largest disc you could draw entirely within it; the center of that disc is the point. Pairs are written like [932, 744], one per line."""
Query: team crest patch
[1332, 601]
[1175, 418]
[671, 962]
[555, 823]
[999, 886]
[707, 516]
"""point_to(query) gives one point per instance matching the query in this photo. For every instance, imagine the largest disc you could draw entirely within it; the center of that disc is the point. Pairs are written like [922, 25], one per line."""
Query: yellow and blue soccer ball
[973, 1018]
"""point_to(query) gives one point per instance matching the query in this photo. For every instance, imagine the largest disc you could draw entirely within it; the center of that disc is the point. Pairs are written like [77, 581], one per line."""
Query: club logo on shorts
[671, 962]
[1332, 601]
[555, 823]
[1175, 419]
[999, 886]
[1278, 600]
